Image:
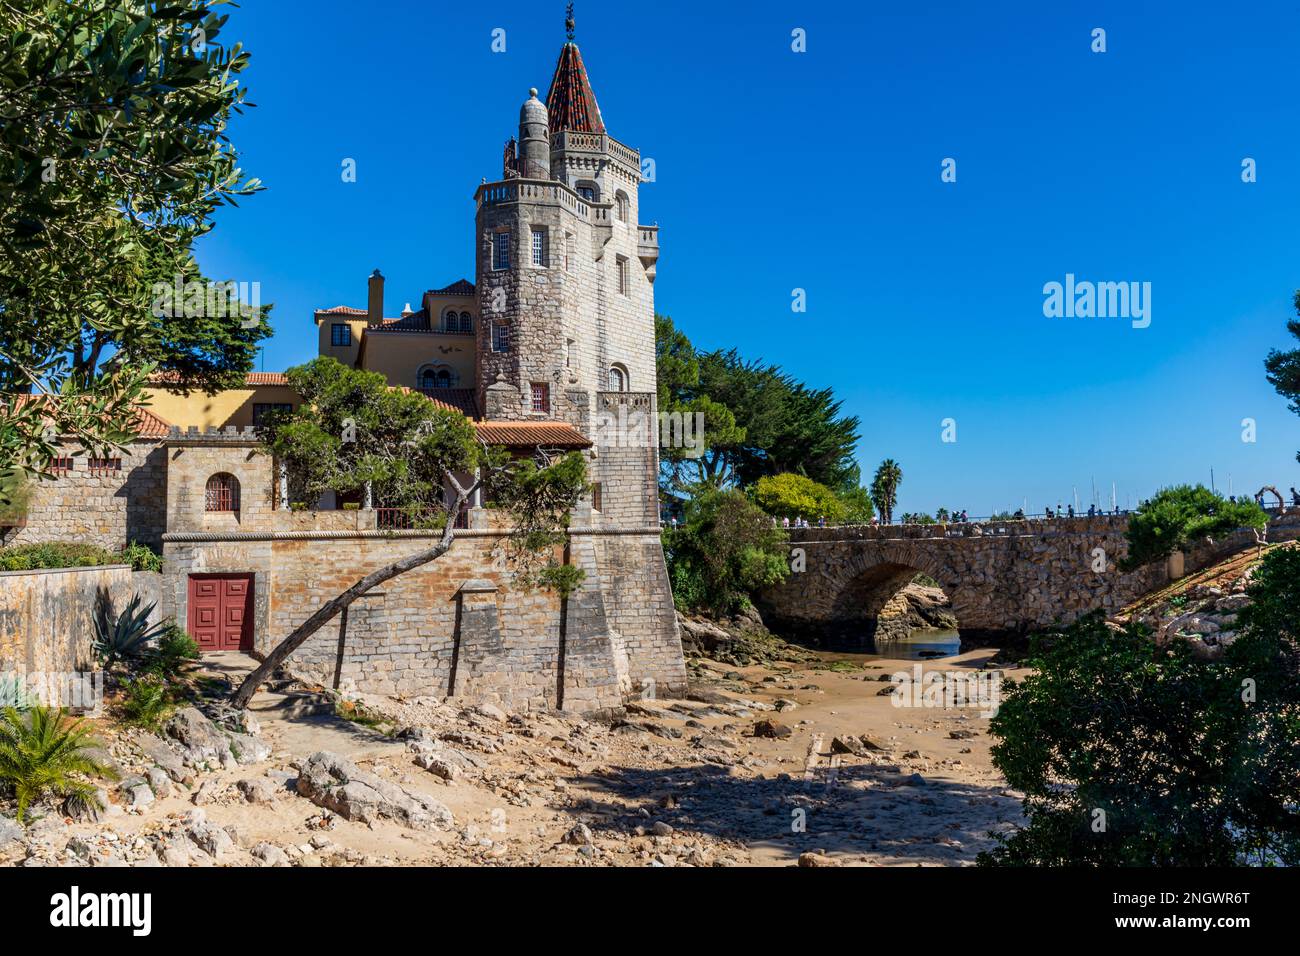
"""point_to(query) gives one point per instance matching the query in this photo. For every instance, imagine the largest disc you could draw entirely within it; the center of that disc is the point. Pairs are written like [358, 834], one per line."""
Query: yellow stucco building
[430, 350]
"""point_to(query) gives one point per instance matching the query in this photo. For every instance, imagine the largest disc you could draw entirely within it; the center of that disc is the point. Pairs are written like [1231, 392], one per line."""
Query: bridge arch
[865, 601]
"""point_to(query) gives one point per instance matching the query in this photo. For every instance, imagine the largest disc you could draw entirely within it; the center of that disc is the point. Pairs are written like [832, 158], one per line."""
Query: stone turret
[534, 139]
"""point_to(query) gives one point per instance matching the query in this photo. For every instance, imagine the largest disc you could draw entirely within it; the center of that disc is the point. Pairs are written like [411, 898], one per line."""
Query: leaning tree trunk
[332, 608]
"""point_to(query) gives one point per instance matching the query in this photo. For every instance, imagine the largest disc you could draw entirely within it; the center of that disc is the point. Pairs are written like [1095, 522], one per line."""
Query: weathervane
[568, 22]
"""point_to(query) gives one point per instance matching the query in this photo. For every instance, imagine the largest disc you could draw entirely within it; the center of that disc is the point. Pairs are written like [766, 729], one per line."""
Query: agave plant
[44, 752]
[14, 692]
[128, 635]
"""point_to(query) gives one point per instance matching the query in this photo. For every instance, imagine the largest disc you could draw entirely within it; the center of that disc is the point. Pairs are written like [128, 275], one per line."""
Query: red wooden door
[221, 611]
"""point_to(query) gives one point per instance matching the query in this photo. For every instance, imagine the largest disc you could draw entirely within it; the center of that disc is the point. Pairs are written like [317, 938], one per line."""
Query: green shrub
[145, 701]
[794, 496]
[725, 549]
[54, 554]
[857, 506]
[1274, 591]
[141, 557]
[43, 752]
[1179, 516]
[174, 650]
[563, 579]
[1130, 754]
[126, 636]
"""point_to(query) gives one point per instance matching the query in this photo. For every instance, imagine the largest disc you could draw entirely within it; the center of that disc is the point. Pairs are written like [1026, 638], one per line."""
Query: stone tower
[564, 271]
[565, 279]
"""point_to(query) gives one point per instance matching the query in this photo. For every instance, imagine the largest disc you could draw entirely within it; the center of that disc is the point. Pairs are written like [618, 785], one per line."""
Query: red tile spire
[570, 103]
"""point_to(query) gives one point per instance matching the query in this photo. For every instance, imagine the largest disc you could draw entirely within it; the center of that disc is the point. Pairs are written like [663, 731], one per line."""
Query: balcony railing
[408, 519]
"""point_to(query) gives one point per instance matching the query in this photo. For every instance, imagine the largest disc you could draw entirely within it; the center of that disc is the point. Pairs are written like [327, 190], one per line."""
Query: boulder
[438, 765]
[579, 835]
[773, 729]
[928, 607]
[200, 738]
[270, 855]
[257, 789]
[157, 750]
[211, 839]
[177, 852]
[816, 859]
[248, 749]
[159, 781]
[858, 746]
[491, 711]
[337, 784]
[206, 793]
[82, 809]
[10, 832]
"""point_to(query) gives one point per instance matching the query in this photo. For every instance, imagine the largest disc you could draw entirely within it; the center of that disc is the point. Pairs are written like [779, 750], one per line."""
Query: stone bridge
[1013, 576]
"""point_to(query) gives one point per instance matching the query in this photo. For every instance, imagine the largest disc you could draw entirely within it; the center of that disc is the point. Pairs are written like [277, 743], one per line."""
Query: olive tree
[113, 160]
[352, 430]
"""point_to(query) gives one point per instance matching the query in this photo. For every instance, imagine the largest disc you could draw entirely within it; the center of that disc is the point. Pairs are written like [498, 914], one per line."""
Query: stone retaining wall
[458, 626]
[47, 617]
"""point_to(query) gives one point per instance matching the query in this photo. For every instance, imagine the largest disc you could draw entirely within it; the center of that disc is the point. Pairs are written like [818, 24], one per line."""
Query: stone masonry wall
[1013, 576]
[47, 619]
[639, 604]
[457, 626]
[108, 509]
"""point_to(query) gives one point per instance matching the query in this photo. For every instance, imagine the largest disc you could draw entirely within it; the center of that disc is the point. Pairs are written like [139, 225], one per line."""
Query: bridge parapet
[1028, 526]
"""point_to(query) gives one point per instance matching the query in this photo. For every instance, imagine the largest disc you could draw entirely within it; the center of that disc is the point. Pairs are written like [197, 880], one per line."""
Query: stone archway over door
[220, 615]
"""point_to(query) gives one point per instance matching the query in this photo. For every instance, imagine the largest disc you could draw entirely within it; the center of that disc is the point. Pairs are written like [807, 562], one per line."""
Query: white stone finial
[532, 91]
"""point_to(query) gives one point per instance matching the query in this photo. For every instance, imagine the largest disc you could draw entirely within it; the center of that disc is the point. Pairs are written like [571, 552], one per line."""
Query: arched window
[621, 206]
[589, 191]
[616, 381]
[466, 322]
[221, 493]
[435, 378]
[449, 321]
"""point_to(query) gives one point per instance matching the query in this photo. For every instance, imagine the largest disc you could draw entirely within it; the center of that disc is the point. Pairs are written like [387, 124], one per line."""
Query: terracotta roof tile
[530, 434]
[459, 287]
[342, 310]
[251, 378]
[150, 425]
[147, 424]
[415, 322]
[570, 102]
[265, 378]
[461, 399]
[453, 399]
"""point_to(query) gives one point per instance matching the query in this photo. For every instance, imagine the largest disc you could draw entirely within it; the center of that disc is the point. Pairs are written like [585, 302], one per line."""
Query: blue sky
[821, 170]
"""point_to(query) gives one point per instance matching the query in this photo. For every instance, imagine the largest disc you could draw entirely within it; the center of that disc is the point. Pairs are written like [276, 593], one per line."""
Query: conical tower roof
[570, 102]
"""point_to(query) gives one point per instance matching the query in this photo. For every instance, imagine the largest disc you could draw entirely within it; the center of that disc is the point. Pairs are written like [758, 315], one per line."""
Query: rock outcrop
[339, 785]
[928, 607]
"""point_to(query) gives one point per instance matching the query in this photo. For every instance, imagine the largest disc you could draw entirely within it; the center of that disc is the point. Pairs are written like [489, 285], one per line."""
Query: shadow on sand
[867, 811]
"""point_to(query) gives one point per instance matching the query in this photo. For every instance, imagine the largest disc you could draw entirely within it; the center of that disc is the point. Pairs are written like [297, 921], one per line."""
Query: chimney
[375, 300]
